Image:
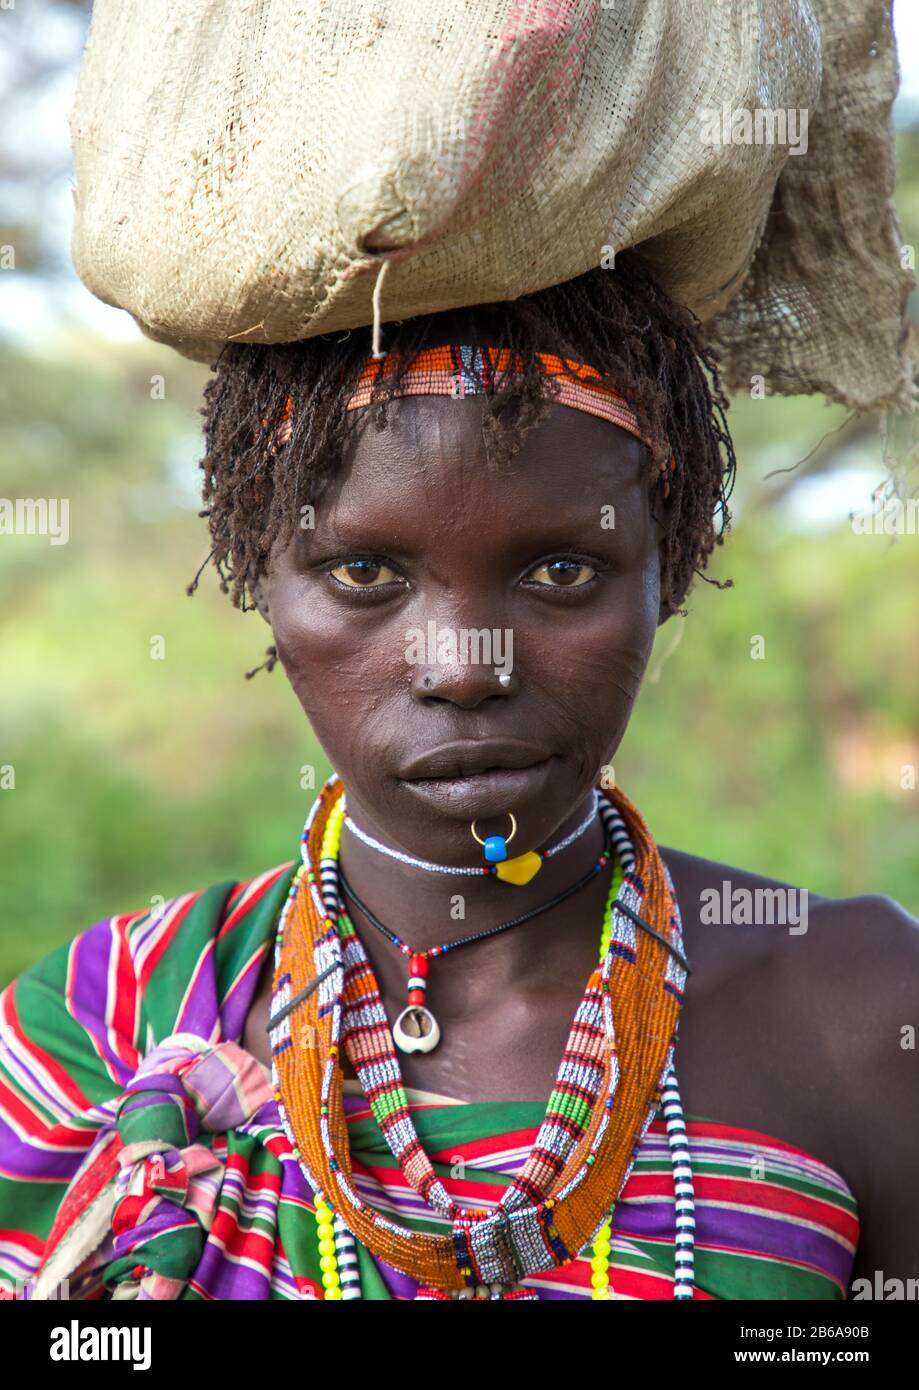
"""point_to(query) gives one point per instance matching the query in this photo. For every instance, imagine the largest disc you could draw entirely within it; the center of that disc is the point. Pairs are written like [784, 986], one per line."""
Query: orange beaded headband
[469, 371]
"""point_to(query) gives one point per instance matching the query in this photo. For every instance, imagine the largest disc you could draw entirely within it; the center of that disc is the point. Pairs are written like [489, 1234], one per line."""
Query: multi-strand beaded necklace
[606, 1092]
[416, 1029]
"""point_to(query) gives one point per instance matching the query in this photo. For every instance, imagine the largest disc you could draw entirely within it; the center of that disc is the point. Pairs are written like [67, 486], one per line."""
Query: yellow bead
[602, 1247]
[330, 1279]
[328, 1264]
[333, 1293]
[600, 1280]
[519, 870]
[326, 1246]
[598, 1264]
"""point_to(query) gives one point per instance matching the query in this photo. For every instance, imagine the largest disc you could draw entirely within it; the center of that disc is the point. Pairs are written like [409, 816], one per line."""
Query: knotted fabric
[146, 1195]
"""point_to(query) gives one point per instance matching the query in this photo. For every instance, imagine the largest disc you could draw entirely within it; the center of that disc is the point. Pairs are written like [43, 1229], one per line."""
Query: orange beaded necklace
[321, 970]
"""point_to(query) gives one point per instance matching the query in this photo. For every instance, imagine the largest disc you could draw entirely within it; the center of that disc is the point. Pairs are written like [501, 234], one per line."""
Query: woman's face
[425, 576]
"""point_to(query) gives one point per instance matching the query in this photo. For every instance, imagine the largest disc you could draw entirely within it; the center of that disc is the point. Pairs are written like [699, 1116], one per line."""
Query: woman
[463, 556]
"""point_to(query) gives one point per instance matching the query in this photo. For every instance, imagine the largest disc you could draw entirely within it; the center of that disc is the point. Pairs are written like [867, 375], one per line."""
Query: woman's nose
[460, 665]
[466, 686]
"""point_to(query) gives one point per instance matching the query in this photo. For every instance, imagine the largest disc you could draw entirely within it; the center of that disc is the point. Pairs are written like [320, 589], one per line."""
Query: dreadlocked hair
[265, 460]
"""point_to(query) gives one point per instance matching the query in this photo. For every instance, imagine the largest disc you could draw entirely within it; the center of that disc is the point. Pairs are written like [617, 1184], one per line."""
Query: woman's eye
[563, 574]
[363, 574]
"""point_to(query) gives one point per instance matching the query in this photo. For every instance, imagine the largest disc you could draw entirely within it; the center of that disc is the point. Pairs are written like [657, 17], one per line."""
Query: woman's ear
[260, 598]
[661, 508]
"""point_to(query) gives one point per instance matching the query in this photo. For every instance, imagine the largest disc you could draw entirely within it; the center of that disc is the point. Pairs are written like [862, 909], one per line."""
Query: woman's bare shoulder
[712, 895]
[843, 975]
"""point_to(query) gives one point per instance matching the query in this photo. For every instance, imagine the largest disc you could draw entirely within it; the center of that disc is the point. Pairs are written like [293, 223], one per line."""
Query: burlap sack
[245, 167]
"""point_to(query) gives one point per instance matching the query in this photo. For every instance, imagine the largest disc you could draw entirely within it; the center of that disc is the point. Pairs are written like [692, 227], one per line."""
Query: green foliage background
[137, 777]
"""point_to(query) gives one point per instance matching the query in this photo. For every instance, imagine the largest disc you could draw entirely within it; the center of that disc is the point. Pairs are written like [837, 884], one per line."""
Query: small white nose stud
[504, 680]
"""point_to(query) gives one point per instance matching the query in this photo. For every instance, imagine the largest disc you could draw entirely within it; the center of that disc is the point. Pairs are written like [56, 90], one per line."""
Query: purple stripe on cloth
[408, 1203]
[166, 1216]
[27, 1160]
[235, 1008]
[743, 1155]
[294, 1186]
[399, 1285]
[22, 1263]
[220, 1277]
[353, 1103]
[143, 934]
[283, 1282]
[164, 1058]
[252, 1202]
[747, 1232]
[26, 1079]
[545, 1293]
[90, 957]
[265, 1117]
[156, 1087]
[200, 1012]
[824, 1180]
[510, 1167]
[228, 1087]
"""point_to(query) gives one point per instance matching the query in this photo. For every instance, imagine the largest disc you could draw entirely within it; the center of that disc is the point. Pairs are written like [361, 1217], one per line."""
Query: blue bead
[495, 849]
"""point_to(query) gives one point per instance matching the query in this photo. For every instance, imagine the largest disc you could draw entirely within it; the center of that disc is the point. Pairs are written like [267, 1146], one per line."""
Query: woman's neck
[428, 909]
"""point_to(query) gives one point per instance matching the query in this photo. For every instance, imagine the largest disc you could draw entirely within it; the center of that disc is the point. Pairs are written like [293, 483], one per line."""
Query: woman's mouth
[479, 779]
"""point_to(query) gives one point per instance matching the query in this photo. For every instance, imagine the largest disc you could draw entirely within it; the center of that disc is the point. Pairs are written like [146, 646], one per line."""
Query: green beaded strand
[602, 1245]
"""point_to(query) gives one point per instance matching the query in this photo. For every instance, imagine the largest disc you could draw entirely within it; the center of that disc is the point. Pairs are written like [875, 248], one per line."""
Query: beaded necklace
[519, 870]
[584, 1150]
[416, 1029]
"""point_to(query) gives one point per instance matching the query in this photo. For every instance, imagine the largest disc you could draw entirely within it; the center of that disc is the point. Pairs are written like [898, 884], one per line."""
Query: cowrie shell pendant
[416, 1030]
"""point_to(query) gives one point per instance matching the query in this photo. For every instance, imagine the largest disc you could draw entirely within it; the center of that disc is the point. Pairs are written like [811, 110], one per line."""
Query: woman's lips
[471, 756]
[479, 794]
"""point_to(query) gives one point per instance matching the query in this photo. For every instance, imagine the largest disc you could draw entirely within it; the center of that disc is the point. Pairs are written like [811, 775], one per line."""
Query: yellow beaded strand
[325, 1229]
[328, 1264]
[331, 839]
[602, 1245]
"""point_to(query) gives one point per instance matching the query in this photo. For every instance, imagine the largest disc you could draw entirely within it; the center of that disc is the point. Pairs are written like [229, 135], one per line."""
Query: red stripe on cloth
[61, 1078]
[78, 1197]
[710, 1129]
[254, 1182]
[243, 1243]
[770, 1198]
[163, 941]
[488, 1146]
[24, 1238]
[123, 1020]
[242, 908]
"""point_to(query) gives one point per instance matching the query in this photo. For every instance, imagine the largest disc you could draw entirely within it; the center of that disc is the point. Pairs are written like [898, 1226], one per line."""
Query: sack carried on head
[243, 170]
